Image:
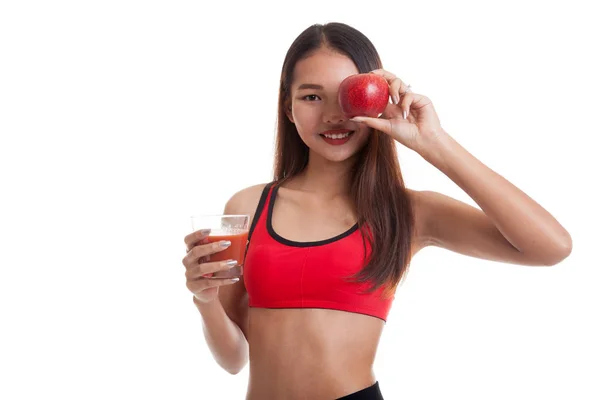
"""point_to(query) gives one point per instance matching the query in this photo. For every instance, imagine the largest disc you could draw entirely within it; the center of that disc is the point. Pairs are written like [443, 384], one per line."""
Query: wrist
[435, 147]
[206, 306]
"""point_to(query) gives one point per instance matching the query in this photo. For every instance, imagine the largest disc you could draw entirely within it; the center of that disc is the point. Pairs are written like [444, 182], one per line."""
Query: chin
[341, 158]
[342, 154]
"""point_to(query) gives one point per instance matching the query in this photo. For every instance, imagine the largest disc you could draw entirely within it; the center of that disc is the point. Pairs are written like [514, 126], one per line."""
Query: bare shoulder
[245, 201]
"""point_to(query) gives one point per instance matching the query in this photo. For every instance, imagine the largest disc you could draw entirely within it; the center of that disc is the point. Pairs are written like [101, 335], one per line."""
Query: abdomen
[310, 353]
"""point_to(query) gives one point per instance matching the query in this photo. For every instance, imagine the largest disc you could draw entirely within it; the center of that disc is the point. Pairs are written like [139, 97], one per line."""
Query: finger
[381, 124]
[198, 285]
[400, 89]
[221, 282]
[204, 250]
[199, 271]
[407, 100]
[386, 74]
[391, 79]
[396, 90]
[414, 102]
[194, 237]
[397, 86]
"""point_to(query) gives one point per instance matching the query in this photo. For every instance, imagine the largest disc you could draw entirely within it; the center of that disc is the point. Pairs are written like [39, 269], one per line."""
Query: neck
[328, 179]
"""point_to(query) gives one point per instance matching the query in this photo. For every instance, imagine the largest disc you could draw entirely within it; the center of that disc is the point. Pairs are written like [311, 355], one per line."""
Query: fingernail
[202, 233]
[230, 263]
[404, 114]
[225, 243]
[235, 279]
[357, 119]
[396, 99]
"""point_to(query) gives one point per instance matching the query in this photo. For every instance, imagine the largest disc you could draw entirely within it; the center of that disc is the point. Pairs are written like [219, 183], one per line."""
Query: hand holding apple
[410, 119]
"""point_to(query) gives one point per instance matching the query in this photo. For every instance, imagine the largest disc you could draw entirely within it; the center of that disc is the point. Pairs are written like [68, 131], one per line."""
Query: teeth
[338, 135]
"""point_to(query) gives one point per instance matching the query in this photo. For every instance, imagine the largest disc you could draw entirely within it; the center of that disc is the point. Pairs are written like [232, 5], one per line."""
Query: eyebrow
[310, 86]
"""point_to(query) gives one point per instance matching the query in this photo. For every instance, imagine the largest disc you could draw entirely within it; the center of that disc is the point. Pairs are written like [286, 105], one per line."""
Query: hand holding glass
[233, 228]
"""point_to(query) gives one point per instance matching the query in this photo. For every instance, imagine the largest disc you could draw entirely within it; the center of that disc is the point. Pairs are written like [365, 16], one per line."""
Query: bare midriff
[310, 353]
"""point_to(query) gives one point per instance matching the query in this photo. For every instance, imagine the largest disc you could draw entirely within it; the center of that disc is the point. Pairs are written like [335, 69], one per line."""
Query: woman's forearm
[224, 337]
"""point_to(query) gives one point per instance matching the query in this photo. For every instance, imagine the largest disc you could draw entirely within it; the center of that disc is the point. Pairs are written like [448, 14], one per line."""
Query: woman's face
[315, 109]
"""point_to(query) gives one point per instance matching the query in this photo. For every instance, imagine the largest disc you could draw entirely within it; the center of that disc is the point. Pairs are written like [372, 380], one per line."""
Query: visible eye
[309, 95]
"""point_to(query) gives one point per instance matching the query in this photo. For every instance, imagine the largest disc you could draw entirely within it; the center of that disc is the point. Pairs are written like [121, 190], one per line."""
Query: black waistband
[371, 393]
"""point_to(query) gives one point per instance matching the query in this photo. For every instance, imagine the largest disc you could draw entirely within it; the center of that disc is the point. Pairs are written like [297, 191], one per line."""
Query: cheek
[365, 134]
[306, 118]
[303, 112]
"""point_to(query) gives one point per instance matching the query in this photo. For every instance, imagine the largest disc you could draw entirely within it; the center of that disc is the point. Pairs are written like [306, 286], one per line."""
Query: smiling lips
[337, 139]
[337, 133]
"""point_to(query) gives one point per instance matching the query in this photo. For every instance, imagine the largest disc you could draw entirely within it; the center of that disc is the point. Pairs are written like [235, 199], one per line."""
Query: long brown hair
[377, 189]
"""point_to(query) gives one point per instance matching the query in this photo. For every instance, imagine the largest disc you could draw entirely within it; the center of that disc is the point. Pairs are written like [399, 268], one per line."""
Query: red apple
[363, 95]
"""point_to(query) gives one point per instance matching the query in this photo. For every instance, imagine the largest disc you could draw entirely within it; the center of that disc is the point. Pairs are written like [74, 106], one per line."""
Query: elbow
[234, 365]
[234, 371]
[236, 368]
[561, 253]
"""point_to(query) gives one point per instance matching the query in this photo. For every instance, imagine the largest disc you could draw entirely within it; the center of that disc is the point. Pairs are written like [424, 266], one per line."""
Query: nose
[333, 113]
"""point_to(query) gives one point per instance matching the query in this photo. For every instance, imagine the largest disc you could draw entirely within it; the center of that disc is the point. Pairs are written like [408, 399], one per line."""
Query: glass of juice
[225, 227]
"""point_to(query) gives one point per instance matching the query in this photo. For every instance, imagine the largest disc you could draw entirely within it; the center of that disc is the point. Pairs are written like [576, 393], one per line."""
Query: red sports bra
[280, 273]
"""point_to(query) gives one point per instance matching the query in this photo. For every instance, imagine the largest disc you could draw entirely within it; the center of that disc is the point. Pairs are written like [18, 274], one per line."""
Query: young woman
[333, 234]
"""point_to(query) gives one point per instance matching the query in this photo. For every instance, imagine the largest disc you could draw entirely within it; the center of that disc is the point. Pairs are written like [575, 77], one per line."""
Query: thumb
[381, 124]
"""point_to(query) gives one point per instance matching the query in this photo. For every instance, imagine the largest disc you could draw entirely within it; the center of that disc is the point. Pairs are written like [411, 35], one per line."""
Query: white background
[120, 119]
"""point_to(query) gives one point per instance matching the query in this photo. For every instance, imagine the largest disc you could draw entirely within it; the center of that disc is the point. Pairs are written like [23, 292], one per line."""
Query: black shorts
[370, 393]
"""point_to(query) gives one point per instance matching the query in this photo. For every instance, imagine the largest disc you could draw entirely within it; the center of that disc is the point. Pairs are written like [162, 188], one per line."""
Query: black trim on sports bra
[259, 208]
[288, 242]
